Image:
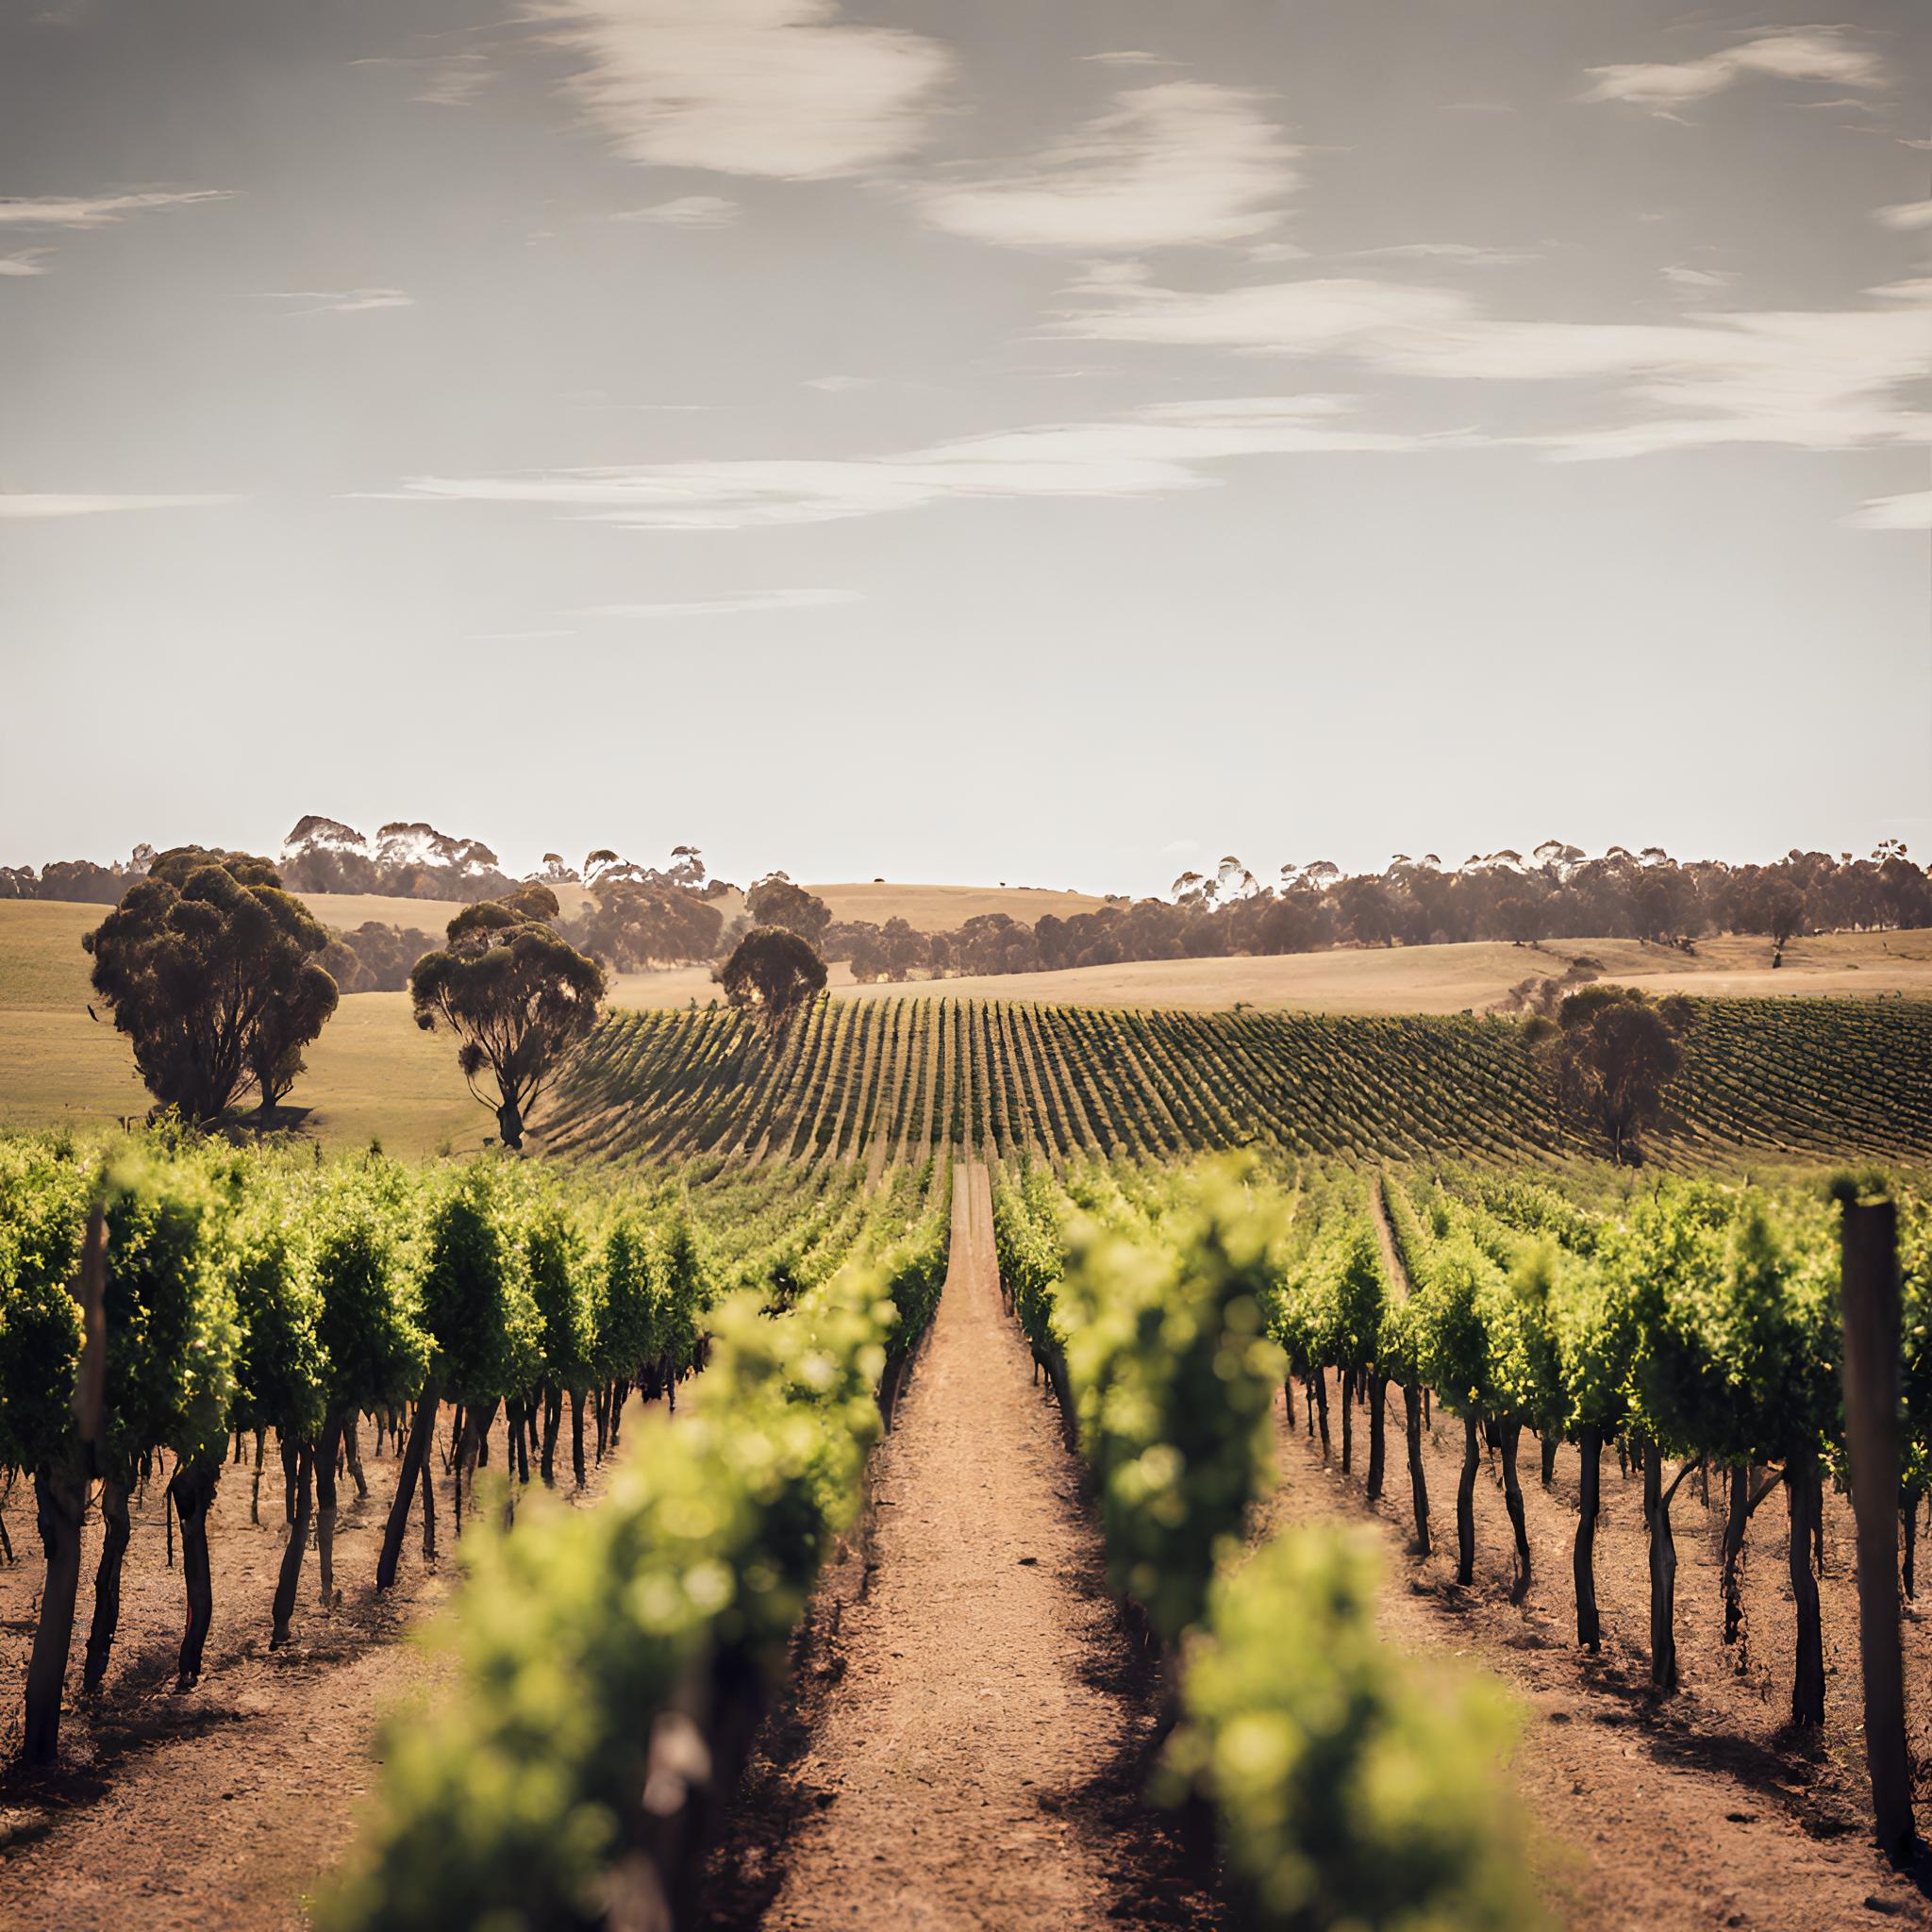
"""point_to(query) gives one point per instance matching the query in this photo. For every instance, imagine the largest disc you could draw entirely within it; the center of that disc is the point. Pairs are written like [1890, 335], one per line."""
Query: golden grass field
[1447, 979]
[373, 1074]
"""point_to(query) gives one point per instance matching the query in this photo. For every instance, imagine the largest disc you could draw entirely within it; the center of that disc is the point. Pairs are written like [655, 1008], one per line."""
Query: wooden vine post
[1869, 1294]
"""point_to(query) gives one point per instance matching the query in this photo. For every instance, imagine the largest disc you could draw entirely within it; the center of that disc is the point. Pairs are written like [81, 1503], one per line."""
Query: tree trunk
[1589, 1446]
[1663, 1572]
[1308, 1397]
[1807, 1502]
[1511, 1433]
[1909, 1523]
[1465, 1504]
[291, 1578]
[520, 1441]
[61, 1497]
[1378, 1433]
[1418, 1481]
[478, 1424]
[1348, 1388]
[428, 1513]
[352, 1454]
[116, 1530]
[509, 1124]
[194, 1490]
[1548, 1444]
[255, 1494]
[326, 1507]
[414, 1457]
[1731, 1558]
[552, 1420]
[1320, 1381]
[576, 1436]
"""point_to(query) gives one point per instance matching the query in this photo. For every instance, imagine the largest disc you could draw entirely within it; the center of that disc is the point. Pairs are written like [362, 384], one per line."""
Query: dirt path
[1697, 1812]
[969, 1761]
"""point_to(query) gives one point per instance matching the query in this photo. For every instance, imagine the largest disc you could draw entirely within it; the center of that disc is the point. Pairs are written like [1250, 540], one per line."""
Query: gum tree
[518, 999]
[207, 967]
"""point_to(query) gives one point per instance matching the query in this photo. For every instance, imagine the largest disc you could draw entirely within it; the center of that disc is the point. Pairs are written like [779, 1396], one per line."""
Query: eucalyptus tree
[518, 999]
[207, 966]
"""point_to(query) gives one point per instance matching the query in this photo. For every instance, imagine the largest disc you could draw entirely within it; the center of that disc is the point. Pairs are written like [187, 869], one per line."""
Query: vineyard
[658, 1393]
[884, 1081]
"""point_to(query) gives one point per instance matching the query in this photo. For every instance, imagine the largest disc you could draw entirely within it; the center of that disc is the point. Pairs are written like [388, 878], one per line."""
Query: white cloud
[1128, 56]
[30, 506]
[1698, 277]
[729, 607]
[98, 211]
[1447, 251]
[26, 262]
[339, 301]
[1912, 512]
[1905, 215]
[1155, 452]
[1179, 163]
[785, 89]
[1822, 53]
[838, 385]
[686, 211]
[1827, 379]
[453, 80]
[442, 80]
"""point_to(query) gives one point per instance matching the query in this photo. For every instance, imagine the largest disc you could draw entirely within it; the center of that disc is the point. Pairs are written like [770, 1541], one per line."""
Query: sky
[978, 442]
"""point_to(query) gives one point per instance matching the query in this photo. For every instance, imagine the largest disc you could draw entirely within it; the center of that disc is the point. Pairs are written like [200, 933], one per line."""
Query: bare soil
[971, 1721]
[1701, 1808]
[221, 1807]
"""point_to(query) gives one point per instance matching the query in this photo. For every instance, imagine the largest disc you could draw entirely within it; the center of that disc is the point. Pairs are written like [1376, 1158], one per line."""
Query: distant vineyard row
[884, 1080]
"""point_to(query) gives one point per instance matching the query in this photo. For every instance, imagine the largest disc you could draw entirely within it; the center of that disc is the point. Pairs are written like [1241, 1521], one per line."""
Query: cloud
[1128, 56]
[1446, 251]
[785, 89]
[339, 301]
[1698, 277]
[728, 606]
[442, 80]
[453, 80]
[99, 211]
[26, 262]
[1905, 215]
[28, 506]
[686, 211]
[1183, 161]
[1822, 53]
[1155, 452]
[1912, 512]
[1826, 379]
[838, 385]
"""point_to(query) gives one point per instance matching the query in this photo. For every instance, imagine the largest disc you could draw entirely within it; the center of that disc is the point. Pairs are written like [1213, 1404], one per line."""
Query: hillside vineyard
[883, 1080]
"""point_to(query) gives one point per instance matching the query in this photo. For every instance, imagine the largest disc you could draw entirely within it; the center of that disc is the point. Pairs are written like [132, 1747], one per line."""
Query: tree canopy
[518, 999]
[775, 900]
[1614, 1051]
[209, 969]
[771, 977]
